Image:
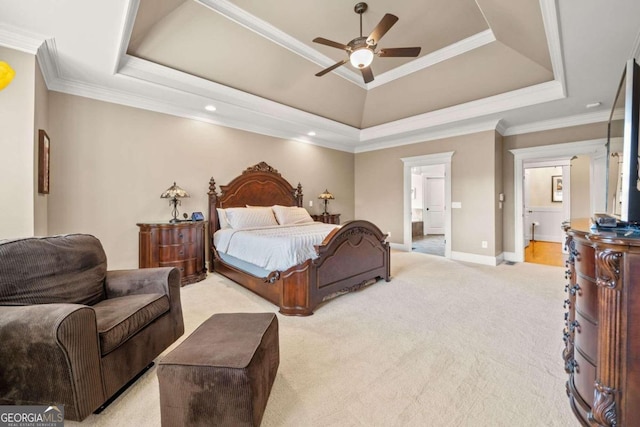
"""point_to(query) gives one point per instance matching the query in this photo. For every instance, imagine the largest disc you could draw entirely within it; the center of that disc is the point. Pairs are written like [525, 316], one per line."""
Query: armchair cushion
[59, 269]
[120, 318]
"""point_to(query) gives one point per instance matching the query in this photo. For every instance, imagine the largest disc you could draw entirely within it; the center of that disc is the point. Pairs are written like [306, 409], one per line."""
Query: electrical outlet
[485, 245]
[310, 203]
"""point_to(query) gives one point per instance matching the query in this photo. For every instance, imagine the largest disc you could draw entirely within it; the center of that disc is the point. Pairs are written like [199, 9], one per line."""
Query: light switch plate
[456, 205]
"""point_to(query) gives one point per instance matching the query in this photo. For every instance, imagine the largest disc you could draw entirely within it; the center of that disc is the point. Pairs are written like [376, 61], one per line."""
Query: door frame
[427, 160]
[593, 148]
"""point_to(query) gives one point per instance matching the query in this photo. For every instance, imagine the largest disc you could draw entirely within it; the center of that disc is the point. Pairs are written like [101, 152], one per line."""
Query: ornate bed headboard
[258, 185]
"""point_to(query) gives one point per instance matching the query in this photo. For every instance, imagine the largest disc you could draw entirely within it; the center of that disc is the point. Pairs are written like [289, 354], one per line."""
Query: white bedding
[273, 248]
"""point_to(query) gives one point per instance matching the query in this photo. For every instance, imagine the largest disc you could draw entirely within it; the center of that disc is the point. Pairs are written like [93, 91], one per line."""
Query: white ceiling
[514, 66]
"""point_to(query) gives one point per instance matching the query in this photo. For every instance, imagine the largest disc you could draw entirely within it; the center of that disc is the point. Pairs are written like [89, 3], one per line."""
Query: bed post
[213, 218]
[298, 194]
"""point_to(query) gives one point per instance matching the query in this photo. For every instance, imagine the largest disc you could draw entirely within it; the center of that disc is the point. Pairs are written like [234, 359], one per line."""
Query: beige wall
[535, 139]
[540, 186]
[110, 163]
[580, 187]
[16, 145]
[379, 182]
[41, 121]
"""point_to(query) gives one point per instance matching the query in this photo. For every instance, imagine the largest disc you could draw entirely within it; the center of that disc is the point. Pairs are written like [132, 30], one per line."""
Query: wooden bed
[350, 257]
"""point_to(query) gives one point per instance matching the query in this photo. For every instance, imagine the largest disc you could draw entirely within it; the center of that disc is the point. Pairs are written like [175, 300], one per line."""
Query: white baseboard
[510, 256]
[477, 259]
[400, 247]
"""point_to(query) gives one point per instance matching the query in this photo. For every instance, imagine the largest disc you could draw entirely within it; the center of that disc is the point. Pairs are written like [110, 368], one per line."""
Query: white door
[434, 206]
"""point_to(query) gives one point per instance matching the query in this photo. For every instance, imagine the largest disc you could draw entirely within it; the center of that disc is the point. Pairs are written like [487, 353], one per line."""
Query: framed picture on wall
[556, 188]
[44, 150]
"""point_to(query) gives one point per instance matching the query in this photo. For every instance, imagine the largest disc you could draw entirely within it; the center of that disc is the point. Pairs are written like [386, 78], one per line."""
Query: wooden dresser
[602, 326]
[178, 245]
[327, 219]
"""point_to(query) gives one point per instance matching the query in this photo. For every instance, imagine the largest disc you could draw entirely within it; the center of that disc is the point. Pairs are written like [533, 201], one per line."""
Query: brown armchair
[73, 333]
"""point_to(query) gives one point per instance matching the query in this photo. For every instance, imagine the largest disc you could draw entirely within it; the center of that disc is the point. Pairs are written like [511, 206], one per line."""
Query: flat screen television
[623, 188]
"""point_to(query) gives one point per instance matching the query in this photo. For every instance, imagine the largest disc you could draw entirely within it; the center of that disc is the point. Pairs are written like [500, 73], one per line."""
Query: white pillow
[291, 215]
[250, 217]
[222, 218]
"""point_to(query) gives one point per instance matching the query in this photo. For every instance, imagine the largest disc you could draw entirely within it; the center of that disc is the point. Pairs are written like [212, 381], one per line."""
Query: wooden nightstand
[327, 219]
[179, 245]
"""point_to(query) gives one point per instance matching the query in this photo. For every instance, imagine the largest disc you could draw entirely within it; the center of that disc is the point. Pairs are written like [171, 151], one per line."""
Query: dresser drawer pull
[181, 252]
[575, 325]
[182, 269]
[180, 235]
[574, 290]
[567, 304]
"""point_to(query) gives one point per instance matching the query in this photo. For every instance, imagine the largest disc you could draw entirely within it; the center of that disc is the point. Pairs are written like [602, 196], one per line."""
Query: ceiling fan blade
[330, 43]
[367, 74]
[333, 67]
[400, 52]
[381, 29]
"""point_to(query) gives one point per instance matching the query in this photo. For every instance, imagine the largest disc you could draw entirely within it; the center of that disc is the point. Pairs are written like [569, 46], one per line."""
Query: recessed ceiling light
[594, 104]
[311, 133]
[210, 108]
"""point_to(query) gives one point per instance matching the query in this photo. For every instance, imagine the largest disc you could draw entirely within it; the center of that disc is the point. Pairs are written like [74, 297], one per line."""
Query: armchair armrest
[50, 354]
[161, 280]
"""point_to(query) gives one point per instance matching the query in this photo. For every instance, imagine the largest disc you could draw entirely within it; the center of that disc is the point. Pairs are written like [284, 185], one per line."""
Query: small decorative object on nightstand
[327, 218]
[325, 197]
[179, 245]
[175, 193]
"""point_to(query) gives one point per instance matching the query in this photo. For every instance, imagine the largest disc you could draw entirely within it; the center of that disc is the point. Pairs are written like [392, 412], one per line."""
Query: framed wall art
[556, 188]
[44, 151]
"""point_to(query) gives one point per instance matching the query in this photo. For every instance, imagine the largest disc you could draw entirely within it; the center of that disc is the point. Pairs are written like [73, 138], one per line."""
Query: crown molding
[19, 39]
[429, 135]
[48, 61]
[552, 30]
[563, 122]
[131, 10]
[440, 55]
[531, 95]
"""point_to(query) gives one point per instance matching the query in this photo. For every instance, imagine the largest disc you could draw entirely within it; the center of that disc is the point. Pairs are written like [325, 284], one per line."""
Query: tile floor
[432, 244]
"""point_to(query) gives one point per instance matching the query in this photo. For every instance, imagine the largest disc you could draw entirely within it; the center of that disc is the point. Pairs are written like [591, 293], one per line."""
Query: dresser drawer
[585, 261]
[177, 235]
[587, 298]
[172, 253]
[584, 377]
[586, 337]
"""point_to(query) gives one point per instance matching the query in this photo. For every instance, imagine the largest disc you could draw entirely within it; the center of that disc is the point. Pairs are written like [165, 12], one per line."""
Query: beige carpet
[444, 343]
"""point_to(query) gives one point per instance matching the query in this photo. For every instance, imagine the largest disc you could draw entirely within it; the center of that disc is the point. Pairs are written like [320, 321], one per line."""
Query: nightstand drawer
[177, 235]
[187, 267]
[170, 253]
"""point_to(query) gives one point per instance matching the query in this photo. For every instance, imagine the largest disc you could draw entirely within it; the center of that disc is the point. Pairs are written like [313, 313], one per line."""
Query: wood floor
[548, 253]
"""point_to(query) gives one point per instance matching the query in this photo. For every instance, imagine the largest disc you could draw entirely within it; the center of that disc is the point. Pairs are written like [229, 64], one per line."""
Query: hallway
[547, 253]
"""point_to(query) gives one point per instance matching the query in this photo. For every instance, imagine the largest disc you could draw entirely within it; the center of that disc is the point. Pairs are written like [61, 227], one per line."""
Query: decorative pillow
[291, 215]
[222, 218]
[250, 217]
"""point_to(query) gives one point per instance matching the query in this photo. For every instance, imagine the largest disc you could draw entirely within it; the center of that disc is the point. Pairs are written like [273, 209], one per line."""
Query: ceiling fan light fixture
[361, 58]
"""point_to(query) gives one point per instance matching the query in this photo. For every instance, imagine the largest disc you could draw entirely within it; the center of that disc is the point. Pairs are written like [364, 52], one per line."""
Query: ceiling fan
[361, 50]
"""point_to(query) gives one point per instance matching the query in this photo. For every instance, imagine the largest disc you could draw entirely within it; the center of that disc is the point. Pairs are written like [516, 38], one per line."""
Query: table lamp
[326, 196]
[175, 193]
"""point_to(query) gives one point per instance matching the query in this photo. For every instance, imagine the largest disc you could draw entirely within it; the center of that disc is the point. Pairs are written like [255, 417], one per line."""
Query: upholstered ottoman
[222, 374]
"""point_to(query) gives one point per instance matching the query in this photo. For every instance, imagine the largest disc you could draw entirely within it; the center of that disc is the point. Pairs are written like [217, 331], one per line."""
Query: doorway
[594, 150]
[547, 204]
[414, 202]
[428, 209]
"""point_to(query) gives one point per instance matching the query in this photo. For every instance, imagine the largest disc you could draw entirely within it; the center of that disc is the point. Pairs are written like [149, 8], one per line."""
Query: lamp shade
[174, 191]
[326, 196]
[361, 58]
